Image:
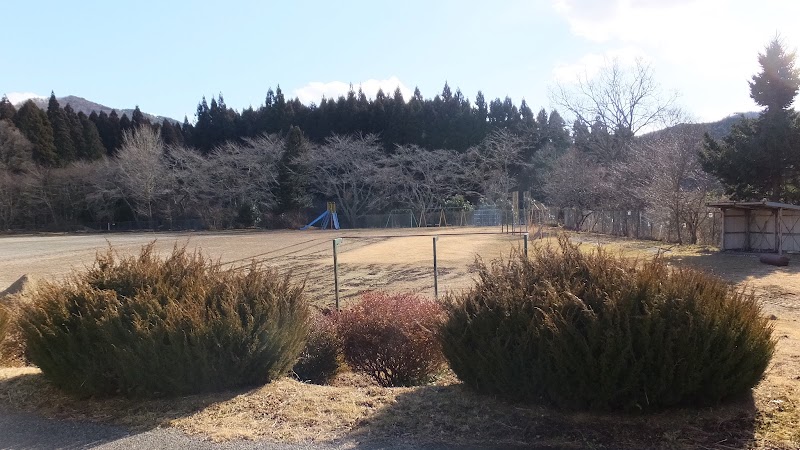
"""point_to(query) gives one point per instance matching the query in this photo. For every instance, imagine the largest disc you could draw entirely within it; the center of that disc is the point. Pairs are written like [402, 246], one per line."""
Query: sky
[165, 55]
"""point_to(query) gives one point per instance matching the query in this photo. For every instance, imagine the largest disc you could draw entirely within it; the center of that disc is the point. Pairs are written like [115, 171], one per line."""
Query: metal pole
[435, 270]
[336, 243]
[525, 239]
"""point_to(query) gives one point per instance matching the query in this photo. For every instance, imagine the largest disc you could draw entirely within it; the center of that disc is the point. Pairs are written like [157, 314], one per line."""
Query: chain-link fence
[705, 229]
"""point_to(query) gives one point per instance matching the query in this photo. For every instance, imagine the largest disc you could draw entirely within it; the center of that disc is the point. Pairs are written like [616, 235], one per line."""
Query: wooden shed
[760, 226]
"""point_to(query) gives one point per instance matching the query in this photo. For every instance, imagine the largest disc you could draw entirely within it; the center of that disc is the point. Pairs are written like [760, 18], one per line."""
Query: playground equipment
[443, 217]
[328, 218]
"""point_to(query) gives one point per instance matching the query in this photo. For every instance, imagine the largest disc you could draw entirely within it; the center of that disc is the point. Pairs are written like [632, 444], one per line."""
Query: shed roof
[763, 204]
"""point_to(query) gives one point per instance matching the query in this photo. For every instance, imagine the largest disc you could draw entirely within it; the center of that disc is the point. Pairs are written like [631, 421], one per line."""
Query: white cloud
[705, 48]
[638, 20]
[706, 34]
[315, 90]
[590, 64]
[18, 97]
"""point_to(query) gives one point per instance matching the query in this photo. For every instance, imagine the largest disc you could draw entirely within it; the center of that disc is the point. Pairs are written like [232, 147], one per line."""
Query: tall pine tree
[761, 158]
[75, 131]
[33, 123]
[7, 110]
[62, 138]
[292, 174]
[92, 144]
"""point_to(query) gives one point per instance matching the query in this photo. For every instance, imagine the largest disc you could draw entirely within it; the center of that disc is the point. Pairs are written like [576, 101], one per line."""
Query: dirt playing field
[401, 260]
[393, 259]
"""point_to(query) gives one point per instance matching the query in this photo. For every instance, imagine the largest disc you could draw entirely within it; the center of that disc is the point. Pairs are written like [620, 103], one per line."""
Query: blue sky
[165, 55]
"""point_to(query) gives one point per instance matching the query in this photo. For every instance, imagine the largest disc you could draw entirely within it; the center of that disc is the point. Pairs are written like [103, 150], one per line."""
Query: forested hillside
[264, 166]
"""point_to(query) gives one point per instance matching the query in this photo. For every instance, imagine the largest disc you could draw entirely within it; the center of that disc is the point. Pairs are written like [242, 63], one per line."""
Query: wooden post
[525, 238]
[779, 226]
[435, 271]
[336, 243]
[747, 230]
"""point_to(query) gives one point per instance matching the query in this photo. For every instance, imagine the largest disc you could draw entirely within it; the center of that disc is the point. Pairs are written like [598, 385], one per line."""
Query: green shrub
[601, 332]
[145, 326]
[321, 358]
[392, 338]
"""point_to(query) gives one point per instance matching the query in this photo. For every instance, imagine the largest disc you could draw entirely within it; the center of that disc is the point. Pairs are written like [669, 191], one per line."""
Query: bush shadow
[736, 267]
[30, 398]
[454, 417]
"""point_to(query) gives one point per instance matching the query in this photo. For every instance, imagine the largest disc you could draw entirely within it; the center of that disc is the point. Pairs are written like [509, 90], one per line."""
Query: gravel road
[20, 431]
[30, 432]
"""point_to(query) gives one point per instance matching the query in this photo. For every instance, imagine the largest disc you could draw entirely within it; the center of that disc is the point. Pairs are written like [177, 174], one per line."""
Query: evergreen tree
[246, 124]
[75, 132]
[279, 111]
[138, 119]
[33, 123]
[580, 135]
[776, 86]
[62, 138]
[202, 127]
[108, 127]
[187, 130]
[223, 122]
[171, 135]
[92, 144]
[292, 174]
[125, 124]
[760, 158]
[7, 110]
[557, 132]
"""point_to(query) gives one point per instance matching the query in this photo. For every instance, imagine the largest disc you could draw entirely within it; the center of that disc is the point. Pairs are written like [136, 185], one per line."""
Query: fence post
[336, 243]
[435, 270]
[525, 240]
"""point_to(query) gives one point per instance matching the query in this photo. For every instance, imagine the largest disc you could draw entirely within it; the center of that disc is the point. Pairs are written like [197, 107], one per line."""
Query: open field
[354, 410]
[394, 259]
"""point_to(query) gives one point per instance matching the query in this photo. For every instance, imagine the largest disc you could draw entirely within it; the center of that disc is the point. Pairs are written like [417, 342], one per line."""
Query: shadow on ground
[737, 267]
[28, 396]
[453, 417]
[29, 431]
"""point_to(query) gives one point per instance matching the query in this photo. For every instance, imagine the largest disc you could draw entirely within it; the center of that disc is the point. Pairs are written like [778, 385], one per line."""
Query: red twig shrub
[393, 338]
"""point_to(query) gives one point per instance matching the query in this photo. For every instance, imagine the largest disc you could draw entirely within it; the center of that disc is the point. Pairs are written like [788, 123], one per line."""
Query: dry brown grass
[354, 409]
[289, 411]
[11, 348]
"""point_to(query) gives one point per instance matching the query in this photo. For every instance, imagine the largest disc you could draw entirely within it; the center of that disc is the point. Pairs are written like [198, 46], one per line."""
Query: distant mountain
[80, 104]
[717, 130]
[722, 128]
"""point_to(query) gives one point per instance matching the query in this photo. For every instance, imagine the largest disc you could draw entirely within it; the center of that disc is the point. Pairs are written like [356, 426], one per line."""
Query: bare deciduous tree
[671, 181]
[422, 179]
[346, 169]
[15, 149]
[10, 198]
[141, 174]
[576, 182]
[618, 103]
[498, 158]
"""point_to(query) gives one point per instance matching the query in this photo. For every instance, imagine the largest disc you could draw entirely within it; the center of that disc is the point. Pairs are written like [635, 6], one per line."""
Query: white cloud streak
[315, 90]
[19, 97]
[590, 64]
